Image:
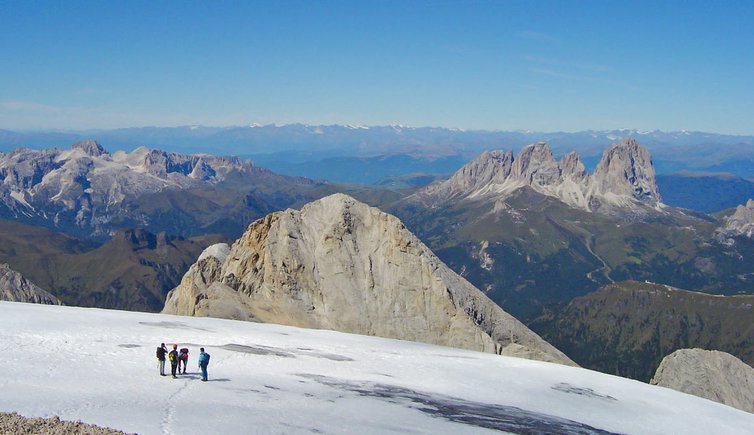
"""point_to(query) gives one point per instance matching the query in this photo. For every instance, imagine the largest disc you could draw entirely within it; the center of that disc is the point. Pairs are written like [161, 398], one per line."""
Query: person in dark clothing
[183, 358]
[161, 352]
[173, 357]
[203, 363]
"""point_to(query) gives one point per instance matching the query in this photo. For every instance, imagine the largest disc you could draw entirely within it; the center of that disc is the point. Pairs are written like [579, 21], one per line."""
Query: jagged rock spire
[626, 169]
[624, 177]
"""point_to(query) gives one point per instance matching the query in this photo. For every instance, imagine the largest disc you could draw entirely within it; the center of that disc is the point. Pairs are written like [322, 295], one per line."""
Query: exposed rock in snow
[15, 288]
[342, 265]
[710, 374]
[624, 179]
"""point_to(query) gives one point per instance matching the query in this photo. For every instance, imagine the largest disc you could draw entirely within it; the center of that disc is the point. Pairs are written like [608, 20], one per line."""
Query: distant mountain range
[299, 143]
[88, 192]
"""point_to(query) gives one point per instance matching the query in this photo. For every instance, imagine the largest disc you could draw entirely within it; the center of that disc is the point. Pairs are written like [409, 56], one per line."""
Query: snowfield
[99, 366]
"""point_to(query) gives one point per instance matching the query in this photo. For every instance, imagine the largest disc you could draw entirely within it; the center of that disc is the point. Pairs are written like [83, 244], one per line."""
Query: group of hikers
[176, 357]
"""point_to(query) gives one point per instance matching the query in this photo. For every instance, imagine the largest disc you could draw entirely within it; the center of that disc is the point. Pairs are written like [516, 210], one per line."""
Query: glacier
[99, 366]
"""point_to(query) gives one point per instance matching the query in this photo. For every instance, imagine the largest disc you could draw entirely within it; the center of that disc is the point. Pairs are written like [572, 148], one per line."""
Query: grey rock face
[90, 147]
[16, 288]
[572, 168]
[491, 167]
[624, 179]
[342, 265]
[741, 222]
[710, 374]
[535, 165]
[626, 170]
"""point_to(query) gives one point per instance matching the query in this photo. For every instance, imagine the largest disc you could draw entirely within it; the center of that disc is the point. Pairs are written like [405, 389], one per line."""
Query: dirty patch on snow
[285, 353]
[588, 392]
[173, 325]
[484, 415]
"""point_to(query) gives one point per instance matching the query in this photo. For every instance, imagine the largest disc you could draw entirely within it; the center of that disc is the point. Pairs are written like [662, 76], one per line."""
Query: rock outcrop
[710, 374]
[624, 179]
[342, 265]
[15, 288]
[741, 222]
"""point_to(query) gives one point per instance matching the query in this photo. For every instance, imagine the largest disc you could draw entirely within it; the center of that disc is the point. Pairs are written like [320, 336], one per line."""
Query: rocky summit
[710, 374]
[342, 265]
[624, 179]
[15, 288]
[740, 223]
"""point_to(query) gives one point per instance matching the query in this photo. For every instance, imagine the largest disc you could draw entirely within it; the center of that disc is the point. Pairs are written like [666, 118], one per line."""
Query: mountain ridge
[624, 179]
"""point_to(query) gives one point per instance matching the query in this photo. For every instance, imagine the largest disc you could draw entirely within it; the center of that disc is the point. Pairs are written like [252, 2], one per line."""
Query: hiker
[203, 363]
[161, 352]
[183, 357]
[173, 357]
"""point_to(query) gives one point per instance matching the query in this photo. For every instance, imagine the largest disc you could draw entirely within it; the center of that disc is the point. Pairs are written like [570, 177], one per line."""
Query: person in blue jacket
[203, 362]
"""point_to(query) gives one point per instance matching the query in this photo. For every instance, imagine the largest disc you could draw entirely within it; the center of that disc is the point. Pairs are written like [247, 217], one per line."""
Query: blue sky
[496, 65]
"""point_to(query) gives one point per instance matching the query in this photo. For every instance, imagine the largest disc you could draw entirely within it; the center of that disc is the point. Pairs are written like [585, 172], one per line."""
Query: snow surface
[99, 366]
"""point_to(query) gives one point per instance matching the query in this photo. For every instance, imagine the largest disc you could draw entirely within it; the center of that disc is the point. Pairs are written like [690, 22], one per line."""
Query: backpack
[172, 356]
[184, 354]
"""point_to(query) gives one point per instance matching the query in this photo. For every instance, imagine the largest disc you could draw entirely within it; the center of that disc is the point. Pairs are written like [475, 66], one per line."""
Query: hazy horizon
[483, 65]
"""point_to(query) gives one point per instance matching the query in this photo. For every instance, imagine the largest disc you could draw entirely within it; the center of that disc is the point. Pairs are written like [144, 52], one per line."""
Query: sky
[492, 65]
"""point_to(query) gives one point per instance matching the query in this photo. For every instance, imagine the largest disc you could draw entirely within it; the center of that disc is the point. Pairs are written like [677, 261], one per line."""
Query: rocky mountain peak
[710, 374]
[15, 288]
[624, 179]
[536, 165]
[340, 264]
[740, 223]
[626, 170]
[573, 168]
[488, 167]
[90, 147]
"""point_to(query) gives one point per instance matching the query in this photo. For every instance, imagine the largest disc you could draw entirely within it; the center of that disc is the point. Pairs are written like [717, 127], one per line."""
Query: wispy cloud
[536, 36]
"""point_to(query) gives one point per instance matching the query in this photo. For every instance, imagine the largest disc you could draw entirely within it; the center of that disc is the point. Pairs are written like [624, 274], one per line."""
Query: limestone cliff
[342, 265]
[711, 374]
[15, 288]
[741, 222]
